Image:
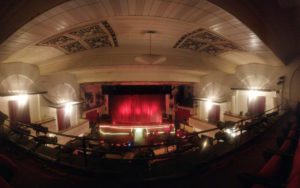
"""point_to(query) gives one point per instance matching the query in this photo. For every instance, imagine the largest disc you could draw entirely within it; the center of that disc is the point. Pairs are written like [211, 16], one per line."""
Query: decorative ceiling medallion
[205, 41]
[111, 32]
[73, 47]
[61, 40]
[98, 42]
[88, 31]
[98, 35]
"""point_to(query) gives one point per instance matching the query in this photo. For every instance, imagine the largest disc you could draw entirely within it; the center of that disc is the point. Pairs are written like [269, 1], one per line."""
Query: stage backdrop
[140, 109]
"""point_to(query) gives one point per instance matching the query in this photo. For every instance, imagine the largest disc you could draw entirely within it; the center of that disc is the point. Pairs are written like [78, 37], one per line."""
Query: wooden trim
[250, 89]
[27, 93]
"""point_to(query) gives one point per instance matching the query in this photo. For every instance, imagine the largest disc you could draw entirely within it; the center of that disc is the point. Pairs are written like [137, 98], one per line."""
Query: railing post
[84, 151]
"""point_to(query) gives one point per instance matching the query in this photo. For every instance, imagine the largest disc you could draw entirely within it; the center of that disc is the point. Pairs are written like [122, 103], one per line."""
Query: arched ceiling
[98, 40]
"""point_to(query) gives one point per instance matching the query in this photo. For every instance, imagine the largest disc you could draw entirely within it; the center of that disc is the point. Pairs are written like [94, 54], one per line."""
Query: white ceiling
[129, 19]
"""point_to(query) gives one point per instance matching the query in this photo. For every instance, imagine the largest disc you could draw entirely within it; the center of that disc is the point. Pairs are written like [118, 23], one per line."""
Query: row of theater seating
[8, 170]
[282, 168]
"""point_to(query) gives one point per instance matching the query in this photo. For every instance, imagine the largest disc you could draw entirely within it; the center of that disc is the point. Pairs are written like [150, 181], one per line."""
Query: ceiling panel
[129, 19]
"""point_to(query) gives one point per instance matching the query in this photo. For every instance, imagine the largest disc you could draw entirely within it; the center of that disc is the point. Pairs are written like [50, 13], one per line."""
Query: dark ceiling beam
[274, 21]
[16, 13]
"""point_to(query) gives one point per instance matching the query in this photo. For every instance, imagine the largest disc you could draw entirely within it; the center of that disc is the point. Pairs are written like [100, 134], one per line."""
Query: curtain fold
[141, 109]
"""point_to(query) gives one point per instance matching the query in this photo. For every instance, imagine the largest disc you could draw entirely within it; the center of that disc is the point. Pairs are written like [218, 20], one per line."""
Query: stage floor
[135, 134]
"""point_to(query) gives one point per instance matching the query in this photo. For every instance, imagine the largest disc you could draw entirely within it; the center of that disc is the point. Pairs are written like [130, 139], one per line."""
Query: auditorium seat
[296, 163]
[276, 169]
[271, 168]
[292, 134]
[294, 182]
[7, 168]
[294, 177]
[286, 146]
[4, 184]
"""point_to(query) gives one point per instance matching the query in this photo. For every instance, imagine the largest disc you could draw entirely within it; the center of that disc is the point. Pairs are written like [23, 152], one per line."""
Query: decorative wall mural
[98, 35]
[205, 41]
[92, 96]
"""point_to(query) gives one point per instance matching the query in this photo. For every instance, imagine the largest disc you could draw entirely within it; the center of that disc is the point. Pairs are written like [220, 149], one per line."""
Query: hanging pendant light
[150, 59]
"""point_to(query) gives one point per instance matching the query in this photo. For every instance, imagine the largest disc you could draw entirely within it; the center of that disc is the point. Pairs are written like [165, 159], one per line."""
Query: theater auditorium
[149, 93]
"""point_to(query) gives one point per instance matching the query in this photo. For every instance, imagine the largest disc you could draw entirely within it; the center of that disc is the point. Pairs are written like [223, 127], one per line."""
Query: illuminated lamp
[204, 144]
[150, 59]
[21, 99]
[68, 108]
[208, 105]
[225, 125]
[21, 96]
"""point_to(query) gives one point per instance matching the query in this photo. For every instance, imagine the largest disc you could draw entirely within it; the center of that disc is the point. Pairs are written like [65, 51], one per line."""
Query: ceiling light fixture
[150, 59]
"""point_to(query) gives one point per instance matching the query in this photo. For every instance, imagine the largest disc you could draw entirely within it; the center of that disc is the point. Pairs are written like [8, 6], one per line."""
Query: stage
[136, 134]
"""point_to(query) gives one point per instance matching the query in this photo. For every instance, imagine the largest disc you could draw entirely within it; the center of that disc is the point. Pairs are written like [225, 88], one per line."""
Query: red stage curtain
[137, 108]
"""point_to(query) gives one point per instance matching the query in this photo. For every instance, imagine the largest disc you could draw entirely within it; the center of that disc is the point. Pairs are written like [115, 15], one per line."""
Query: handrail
[194, 133]
[86, 151]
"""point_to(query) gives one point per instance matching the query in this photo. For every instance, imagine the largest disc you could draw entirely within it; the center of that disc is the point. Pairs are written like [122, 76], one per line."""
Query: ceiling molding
[203, 40]
[97, 35]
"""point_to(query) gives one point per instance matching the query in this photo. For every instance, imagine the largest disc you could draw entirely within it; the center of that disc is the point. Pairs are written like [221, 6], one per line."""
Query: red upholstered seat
[4, 184]
[258, 186]
[7, 168]
[294, 126]
[7, 162]
[271, 168]
[295, 182]
[296, 163]
[291, 134]
[285, 146]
